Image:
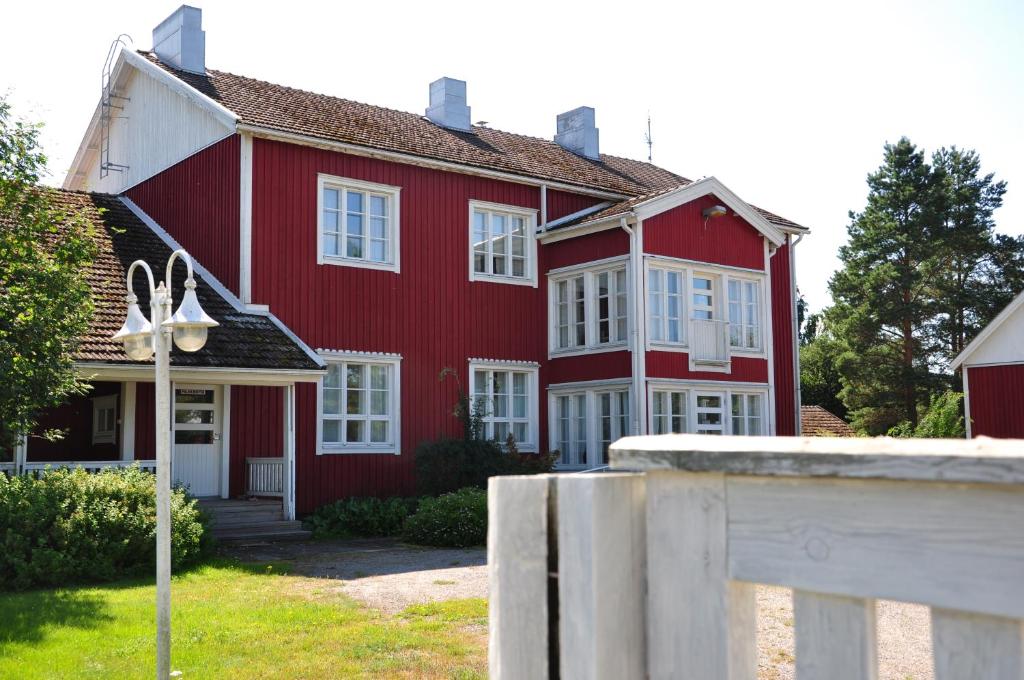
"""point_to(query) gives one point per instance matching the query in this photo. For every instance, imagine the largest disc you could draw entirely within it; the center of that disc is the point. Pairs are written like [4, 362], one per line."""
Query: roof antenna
[648, 140]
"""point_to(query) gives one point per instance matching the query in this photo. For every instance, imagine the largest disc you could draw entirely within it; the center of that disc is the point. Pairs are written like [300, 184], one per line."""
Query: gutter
[796, 333]
[637, 343]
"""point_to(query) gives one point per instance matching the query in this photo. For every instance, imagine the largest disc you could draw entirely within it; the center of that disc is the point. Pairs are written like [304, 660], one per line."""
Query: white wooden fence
[652, 573]
[90, 466]
[264, 476]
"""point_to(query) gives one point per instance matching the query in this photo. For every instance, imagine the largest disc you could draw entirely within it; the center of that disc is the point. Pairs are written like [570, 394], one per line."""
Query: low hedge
[455, 520]
[363, 517]
[69, 526]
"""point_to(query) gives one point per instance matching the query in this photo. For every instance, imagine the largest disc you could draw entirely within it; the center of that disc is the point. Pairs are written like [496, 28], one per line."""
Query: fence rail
[651, 574]
[264, 476]
[90, 466]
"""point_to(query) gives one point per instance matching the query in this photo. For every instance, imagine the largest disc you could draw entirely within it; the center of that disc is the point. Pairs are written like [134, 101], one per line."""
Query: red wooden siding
[589, 367]
[997, 400]
[681, 232]
[677, 365]
[782, 331]
[257, 429]
[431, 313]
[75, 418]
[145, 421]
[562, 203]
[582, 249]
[197, 202]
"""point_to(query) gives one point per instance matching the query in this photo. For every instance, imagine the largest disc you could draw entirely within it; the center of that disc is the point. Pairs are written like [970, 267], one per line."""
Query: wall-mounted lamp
[713, 211]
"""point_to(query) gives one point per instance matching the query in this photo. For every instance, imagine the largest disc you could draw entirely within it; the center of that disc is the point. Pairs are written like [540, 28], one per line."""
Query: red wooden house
[578, 296]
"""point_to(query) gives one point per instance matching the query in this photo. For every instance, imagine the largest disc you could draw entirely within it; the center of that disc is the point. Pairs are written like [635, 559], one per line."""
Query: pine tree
[883, 293]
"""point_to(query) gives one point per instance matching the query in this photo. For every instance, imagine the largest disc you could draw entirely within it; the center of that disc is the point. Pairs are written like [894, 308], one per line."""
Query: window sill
[583, 351]
[358, 264]
[345, 450]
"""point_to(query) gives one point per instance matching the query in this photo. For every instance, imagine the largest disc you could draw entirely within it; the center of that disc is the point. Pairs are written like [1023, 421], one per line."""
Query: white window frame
[343, 184]
[529, 247]
[720, 275]
[579, 409]
[746, 416]
[99, 406]
[532, 443]
[590, 272]
[394, 365]
[725, 389]
[669, 414]
[591, 390]
[745, 303]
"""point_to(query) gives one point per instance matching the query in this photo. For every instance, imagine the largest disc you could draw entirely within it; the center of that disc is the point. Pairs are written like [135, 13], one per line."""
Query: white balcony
[709, 342]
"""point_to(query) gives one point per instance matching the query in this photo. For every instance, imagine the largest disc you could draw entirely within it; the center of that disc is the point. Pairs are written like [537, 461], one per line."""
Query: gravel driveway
[390, 576]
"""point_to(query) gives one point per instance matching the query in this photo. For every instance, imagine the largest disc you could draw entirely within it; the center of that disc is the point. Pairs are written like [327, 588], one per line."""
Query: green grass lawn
[231, 620]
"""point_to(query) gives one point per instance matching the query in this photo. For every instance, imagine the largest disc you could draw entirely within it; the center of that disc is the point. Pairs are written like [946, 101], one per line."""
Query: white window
[746, 414]
[359, 404]
[703, 301]
[744, 314]
[570, 313]
[358, 223]
[505, 395]
[666, 305]
[104, 419]
[589, 308]
[571, 436]
[502, 245]
[710, 414]
[668, 411]
[613, 418]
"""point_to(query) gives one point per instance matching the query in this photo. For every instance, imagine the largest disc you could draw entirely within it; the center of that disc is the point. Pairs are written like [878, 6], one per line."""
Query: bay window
[359, 405]
[505, 396]
[358, 223]
[502, 245]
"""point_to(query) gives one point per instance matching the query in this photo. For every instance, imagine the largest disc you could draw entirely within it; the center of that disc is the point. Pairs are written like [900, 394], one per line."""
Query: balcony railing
[264, 476]
[709, 341]
[90, 466]
[652, 574]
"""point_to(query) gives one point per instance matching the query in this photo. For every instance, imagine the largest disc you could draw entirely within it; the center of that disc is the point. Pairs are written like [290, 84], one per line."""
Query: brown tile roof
[241, 341]
[287, 109]
[815, 421]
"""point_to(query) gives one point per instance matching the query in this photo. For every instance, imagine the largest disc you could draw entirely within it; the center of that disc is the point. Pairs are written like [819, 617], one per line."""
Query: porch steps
[252, 520]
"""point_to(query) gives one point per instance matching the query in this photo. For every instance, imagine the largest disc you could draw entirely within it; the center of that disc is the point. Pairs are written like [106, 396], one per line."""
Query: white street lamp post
[143, 339]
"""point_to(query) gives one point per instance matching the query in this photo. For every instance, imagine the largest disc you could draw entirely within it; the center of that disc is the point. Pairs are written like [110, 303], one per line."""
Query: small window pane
[331, 199]
[378, 227]
[519, 431]
[333, 377]
[355, 405]
[355, 201]
[354, 373]
[193, 396]
[354, 431]
[189, 416]
[379, 377]
[378, 251]
[332, 401]
[379, 431]
[331, 431]
[331, 220]
[193, 437]
[355, 246]
[355, 225]
[378, 205]
[378, 403]
[330, 245]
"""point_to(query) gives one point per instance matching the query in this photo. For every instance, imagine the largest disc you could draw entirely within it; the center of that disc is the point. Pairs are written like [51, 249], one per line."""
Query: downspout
[543, 207]
[636, 341]
[796, 332]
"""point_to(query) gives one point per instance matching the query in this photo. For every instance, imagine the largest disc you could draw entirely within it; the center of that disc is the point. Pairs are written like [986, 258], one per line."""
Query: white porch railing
[8, 468]
[709, 341]
[652, 574]
[90, 466]
[264, 476]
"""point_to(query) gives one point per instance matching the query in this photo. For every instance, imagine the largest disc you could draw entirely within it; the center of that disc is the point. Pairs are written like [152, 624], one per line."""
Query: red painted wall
[782, 331]
[197, 202]
[74, 417]
[727, 240]
[596, 246]
[677, 365]
[562, 203]
[257, 429]
[145, 421]
[603, 366]
[997, 401]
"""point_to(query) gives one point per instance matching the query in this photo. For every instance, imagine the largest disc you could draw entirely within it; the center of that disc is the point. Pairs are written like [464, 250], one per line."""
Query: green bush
[70, 526]
[943, 419]
[367, 517]
[456, 520]
[445, 465]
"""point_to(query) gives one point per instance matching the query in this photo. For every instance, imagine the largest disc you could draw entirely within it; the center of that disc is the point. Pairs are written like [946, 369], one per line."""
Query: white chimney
[448, 106]
[577, 132]
[180, 41]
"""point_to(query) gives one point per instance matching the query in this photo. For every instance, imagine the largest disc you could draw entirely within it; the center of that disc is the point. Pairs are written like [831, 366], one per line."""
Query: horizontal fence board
[975, 647]
[835, 637]
[945, 545]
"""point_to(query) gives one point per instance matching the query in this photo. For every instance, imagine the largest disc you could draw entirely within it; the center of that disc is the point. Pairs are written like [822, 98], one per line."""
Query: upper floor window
[502, 245]
[589, 308]
[358, 223]
[744, 314]
[359, 405]
[666, 305]
[505, 396]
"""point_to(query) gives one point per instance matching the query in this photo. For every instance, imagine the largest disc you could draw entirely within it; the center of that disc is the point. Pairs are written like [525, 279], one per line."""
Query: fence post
[601, 579]
[520, 645]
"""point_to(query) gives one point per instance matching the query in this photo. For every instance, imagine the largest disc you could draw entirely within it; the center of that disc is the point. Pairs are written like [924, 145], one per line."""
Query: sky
[787, 103]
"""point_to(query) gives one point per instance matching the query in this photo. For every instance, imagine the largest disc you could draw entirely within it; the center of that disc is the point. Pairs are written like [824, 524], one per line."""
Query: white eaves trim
[229, 118]
[219, 287]
[198, 374]
[987, 331]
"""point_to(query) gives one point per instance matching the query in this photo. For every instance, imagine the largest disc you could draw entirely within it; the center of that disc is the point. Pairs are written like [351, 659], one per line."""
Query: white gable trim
[987, 331]
[701, 188]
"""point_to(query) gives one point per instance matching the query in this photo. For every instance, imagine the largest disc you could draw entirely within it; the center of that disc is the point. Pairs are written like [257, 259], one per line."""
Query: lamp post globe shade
[137, 334]
[190, 322]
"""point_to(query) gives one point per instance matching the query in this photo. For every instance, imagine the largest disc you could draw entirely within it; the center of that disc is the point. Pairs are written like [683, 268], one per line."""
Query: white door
[710, 412]
[196, 423]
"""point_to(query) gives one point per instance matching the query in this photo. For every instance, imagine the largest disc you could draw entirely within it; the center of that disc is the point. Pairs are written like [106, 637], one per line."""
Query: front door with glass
[196, 436]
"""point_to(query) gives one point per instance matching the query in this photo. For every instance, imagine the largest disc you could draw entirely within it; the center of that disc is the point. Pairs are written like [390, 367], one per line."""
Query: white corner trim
[245, 219]
[987, 331]
[215, 283]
